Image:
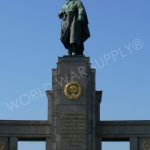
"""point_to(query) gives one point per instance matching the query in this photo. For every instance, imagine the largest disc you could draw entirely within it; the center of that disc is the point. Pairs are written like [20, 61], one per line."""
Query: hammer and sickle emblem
[73, 90]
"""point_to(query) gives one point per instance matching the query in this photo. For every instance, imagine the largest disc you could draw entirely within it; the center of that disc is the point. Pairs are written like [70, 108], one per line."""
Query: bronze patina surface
[74, 31]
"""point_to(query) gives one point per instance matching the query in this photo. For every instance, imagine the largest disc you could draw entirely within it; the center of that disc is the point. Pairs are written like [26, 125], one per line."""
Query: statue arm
[81, 11]
[61, 14]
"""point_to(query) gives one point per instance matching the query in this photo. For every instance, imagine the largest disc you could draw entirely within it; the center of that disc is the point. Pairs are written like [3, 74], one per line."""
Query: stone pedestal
[74, 115]
[72, 105]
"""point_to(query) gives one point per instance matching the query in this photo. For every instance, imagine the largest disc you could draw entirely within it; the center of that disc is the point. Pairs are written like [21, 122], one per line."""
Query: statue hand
[81, 18]
[60, 15]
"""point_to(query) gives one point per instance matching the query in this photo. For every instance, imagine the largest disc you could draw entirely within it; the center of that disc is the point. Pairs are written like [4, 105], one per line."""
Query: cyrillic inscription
[73, 127]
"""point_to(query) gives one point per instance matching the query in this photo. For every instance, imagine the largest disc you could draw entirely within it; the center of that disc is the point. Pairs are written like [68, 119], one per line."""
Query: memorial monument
[73, 103]
[73, 97]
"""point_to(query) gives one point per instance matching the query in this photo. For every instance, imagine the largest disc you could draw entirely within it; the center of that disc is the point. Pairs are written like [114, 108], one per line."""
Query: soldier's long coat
[73, 30]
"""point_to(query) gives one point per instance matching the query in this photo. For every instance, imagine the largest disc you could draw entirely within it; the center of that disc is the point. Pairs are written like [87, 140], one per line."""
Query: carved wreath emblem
[73, 90]
[146, 145]
[1, 144]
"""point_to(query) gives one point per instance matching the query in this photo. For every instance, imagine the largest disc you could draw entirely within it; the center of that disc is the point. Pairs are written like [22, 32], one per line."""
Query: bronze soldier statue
[75, 29]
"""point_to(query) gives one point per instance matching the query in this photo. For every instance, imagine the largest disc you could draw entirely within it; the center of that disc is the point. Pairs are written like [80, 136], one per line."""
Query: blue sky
[119, 49]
